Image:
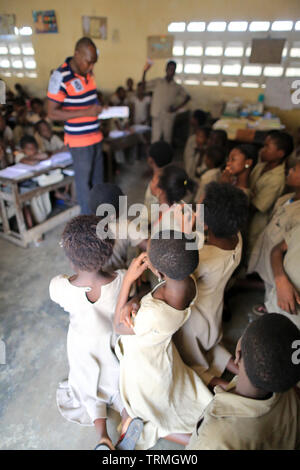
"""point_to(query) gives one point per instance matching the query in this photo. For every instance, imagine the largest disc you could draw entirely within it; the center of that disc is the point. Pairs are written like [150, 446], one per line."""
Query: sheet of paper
[62, 158]
[14, 173]
[114, 112]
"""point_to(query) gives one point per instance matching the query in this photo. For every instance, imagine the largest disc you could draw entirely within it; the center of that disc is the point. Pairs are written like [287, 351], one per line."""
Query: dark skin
[237, 170]
[82, 63]
[32, 155]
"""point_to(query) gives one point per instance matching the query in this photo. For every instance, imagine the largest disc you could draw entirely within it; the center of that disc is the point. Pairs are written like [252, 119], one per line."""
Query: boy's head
[105, 193]
[293, 178]
[225, 209]
[160, 154]
[44, 129]
[121, 93]
[29, 145]
[129, 83]
[217, 137]
[36, 105]
[266, 349]
[241, 158]
[170, 69]
[202, 135]
[82, 245]
[214, 157]
[140, 89]
[277, 147]
[168, 255]
[198, 118]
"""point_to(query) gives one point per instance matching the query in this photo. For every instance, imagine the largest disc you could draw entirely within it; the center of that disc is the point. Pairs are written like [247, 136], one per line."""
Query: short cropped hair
[206, 130]
[225, 209]
[200, 116]
[172, 62]
[36, 101]
[84, 42]
[220, 136]
[104, 193]
[283, 141]
[249, 151]
[28, 139]
[267, 352]
[176, 183]
[42, 121]
[216, 155]
[81, 244]
[170, 256]
[161, 152]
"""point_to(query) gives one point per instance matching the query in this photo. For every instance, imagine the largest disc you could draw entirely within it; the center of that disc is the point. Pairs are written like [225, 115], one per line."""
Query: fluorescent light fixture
[196, 26]
[176, 27]
[297, 26]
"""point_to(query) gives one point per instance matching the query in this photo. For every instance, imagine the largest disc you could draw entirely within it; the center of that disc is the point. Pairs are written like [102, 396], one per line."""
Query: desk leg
[4, 217]
[19, 212]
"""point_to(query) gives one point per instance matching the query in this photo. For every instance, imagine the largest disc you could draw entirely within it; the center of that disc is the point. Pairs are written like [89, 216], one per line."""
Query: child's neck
[271, 165]
[242, 179]
[89, 279]
[297, 194]
[177, 294]
[222, 243]
[246, 389]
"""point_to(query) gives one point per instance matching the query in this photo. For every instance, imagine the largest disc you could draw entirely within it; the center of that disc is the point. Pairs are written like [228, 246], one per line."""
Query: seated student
[198, 120]
[199, 340]
[213, 159]
[49, 142]
[194, 159]
[239, 164]
[90, 297]
[160, 155]
[37, 111]
[119, 98]
[4, 162]
[285, 216]
[218, 137]
[140, 106]
[6, 132]
[260, 410]
[284, 295]
[155, 384]
[267, 181]
[109, 193]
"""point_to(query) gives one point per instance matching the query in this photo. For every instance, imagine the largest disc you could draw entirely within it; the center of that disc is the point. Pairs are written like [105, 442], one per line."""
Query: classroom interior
[33, 329]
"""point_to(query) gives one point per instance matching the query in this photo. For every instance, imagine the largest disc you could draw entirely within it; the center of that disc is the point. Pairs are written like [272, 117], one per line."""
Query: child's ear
[248, 162]
[238, 352]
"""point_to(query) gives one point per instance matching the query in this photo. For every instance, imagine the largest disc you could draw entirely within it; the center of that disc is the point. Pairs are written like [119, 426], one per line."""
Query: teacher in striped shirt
[72, 98]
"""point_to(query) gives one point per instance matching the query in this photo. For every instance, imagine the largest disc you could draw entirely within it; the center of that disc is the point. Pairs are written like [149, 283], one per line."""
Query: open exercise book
[19, 170]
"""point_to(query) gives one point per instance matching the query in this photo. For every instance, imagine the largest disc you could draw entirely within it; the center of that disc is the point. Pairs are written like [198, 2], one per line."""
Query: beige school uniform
[165, 94]
[199, 339]
[285, 216]
[291, 264]
[234, 422]
[208, 176]
[149, 200]
[53, 145]
[93, 382]
[154, 382]
[265, 188]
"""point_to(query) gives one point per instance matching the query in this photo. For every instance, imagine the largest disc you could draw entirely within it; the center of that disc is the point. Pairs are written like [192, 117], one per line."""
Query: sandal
[102, 447]
[259, 310]
[129, 439]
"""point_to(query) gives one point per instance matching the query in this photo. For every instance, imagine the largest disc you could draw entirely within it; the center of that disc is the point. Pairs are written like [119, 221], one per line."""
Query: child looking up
[90, 297]
[239, 164]
[199, 340]
[49, 142]
[109, 193]
[285, 216]
[213, 159]
[260, 410]
[30, 154]
[267, 181]
[155, 384]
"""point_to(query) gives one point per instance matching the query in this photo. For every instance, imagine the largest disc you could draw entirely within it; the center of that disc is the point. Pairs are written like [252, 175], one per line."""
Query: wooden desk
[14, 197]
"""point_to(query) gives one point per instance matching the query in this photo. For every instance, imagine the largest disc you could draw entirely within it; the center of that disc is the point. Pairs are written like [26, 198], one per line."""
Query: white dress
[93, 382]
[155, 384]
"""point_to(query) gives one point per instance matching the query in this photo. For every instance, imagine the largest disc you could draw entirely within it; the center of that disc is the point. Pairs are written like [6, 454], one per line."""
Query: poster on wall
[94, 27]
[160, 47]
[44, 21]
[7, 24]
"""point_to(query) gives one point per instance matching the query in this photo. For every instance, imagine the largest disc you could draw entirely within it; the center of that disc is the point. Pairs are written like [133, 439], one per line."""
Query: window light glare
[215, 51]
[17, 64]
[238, 26]
[211, 69]
[178, 50]
[15, 50]
[176, 27]
[282, 26]
[248, 51]
[196, 26]
[179, 67]
[5, 63]
[192, 68]
[292, 72]
[259, 26]
[16, 30]
[297, 26]
[26, 31]
[234, 51]
[232, 84]
[191, 82]
[27, 49]
[194, 50]
[217, 26]
[295, 52]
[253, 70]
[210, 83]
[3, 50]
[231, 69]
[30, 63]
[31, 74]
[19, 74]
[270, 71]
[250, 85]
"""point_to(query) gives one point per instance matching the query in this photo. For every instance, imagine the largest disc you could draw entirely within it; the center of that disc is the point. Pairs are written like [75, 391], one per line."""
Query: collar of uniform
[227, 404]
[76, 74]
[278, 169]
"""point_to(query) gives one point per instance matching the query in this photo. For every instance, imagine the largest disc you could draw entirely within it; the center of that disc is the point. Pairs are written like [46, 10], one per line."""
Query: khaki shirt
[267, 187]
[234, 422]
[165, 94]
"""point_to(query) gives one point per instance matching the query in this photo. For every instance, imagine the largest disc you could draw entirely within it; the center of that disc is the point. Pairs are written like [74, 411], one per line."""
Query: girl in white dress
[155, 384]
[90, 296]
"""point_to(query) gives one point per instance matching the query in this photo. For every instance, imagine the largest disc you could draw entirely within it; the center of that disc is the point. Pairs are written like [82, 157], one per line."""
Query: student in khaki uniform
[285, 216]
[260, 410]
[267, 181]
[199, 339]
[239, 164]
[164, 105]
[198, 121]
[194, 157]
[284, 297]
[213, 159]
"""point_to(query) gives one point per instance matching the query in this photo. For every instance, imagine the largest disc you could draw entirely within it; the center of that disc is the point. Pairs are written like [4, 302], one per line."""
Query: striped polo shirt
[75, 92]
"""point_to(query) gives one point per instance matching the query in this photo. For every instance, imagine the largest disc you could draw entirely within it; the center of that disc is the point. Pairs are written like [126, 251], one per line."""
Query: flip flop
[128, 440]
[259, 310]
[102, 447]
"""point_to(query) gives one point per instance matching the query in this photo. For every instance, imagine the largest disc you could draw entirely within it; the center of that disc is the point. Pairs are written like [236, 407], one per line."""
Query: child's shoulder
[57, 285]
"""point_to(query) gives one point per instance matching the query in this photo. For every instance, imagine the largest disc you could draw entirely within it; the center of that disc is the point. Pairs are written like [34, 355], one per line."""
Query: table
[25, 236]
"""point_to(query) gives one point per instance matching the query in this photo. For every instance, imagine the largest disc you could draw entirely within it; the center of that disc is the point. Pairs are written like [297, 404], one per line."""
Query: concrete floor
[34, 330]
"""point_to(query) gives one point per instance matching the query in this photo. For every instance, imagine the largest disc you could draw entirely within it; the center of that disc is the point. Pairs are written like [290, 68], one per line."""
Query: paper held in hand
[114, 112]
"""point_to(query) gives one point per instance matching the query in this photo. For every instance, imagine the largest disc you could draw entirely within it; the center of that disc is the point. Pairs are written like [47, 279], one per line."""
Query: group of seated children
[156, 356]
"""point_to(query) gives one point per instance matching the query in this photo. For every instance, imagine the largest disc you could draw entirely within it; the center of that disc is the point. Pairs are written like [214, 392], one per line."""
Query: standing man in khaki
[168, 97]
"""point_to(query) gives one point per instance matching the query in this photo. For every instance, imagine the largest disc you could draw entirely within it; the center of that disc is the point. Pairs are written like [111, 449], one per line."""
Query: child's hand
[287, 295]
[148, 65]
[129, 311]
[226, 176]
[137, 267]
